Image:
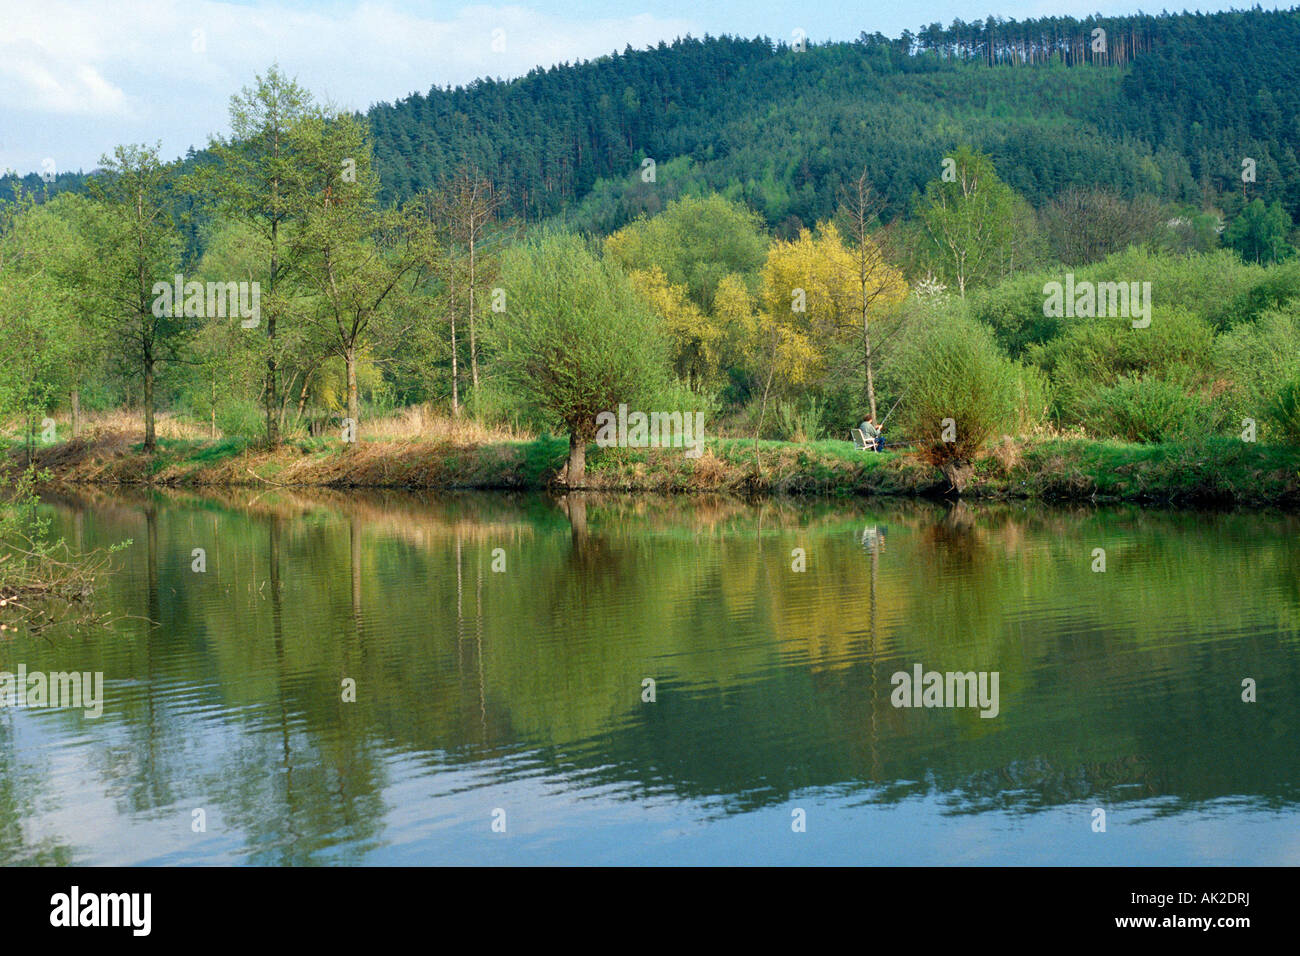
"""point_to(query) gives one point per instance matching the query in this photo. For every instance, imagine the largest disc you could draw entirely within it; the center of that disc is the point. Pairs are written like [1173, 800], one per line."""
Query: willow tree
[576, 339]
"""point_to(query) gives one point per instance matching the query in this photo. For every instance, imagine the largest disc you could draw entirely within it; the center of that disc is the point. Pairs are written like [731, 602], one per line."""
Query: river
[294, 678]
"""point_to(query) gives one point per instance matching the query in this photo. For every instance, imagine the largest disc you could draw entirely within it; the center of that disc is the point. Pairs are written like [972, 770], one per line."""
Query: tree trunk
[455, 384]
[76, 411]
[302, 397]
[150, 439]
[762, 412]
[272, 401]
[577, 471]
[272, 404]
[473, 339]
[354, 406]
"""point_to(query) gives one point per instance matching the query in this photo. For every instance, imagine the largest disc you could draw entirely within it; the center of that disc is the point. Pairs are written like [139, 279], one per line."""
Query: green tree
[349, 253]
[975, 223]
[33, 343]
[1259, 233]
[576, 339]
[140, 248]
[259, 178]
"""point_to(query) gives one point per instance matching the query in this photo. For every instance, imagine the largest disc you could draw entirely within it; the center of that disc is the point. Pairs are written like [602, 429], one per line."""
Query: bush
[1257, 359]
[1014, 310]
[801, 421]
[1283, 412]
[240, 418]
[1275, 288]
[1095, 354]
[1147, 410]
[958, 372]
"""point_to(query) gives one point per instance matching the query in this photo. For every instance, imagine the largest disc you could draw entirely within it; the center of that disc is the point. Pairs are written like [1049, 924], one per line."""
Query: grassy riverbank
[1209, 471]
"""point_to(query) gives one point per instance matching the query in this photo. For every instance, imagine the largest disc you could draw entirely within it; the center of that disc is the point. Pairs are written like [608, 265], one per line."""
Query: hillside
[1171, 108]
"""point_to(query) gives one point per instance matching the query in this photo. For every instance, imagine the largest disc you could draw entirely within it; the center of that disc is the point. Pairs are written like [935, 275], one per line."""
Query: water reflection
[499, 645]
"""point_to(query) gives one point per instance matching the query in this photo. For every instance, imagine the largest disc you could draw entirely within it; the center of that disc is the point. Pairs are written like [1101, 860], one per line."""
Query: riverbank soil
[1213, 470]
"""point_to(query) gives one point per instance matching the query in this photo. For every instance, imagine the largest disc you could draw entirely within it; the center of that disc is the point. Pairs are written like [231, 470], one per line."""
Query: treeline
[1038, 40]
[248, 286]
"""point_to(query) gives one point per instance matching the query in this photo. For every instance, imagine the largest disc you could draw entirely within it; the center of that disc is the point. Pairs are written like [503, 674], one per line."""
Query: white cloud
[76, 79]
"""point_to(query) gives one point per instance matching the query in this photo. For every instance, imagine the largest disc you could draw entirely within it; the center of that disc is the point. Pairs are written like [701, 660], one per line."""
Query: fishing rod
[895, 405]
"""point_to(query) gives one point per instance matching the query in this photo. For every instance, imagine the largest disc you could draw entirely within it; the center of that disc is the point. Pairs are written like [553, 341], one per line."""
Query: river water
[516, 679]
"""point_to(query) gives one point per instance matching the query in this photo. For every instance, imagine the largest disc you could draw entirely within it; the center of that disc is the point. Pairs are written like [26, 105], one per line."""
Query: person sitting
[873, 433]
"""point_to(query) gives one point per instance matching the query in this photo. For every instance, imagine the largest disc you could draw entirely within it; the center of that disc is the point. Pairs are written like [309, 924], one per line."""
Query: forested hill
[1171, 107]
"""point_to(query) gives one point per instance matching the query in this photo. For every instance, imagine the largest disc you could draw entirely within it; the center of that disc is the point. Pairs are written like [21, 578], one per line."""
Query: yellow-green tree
[821, 290]
[681, 261]
[696, 337]
[878, 285]
[783, 341]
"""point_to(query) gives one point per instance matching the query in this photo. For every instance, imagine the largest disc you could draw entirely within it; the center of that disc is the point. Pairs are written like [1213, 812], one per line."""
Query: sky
[78, 78]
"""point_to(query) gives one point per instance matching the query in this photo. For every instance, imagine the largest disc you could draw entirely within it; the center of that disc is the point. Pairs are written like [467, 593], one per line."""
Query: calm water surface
[520, 690]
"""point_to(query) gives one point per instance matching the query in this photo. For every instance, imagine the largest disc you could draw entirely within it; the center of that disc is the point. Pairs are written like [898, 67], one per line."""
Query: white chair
[861, 442]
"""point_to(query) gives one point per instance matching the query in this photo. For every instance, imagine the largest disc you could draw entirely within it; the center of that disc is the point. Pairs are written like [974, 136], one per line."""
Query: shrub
[1014, 310]
[1147, 410]
[801, 421]
[1272, 291]
[1095, 354]
[240, 418]
[1283, 412]
[958, 372]
[1257, 359]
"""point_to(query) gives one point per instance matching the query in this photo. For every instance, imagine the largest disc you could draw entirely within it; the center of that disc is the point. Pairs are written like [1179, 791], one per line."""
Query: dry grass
[1050, 430]
[129, 423]
[418, 423]
[709, 471]
[1008, 454]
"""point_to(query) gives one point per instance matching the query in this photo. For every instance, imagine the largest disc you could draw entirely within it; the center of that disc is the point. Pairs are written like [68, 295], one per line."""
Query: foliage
[1145, 410]
[977, 227]
[1284, 412]
[576, 339]
[1260, 233]
[962, 390]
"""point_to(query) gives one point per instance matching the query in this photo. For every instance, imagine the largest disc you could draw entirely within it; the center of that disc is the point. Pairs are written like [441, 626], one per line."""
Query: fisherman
[873, 433]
